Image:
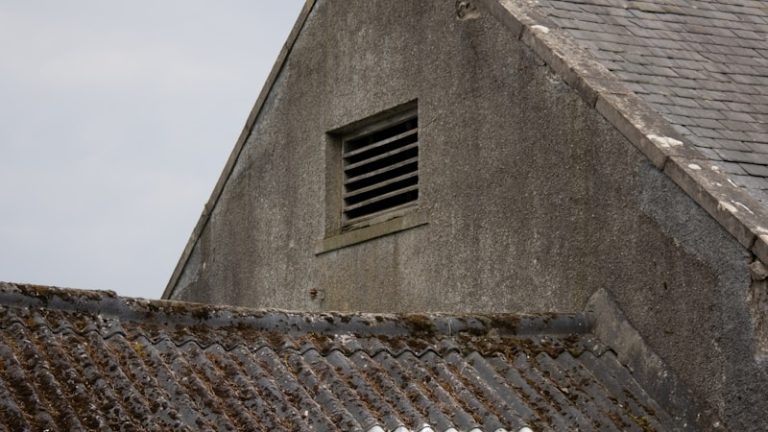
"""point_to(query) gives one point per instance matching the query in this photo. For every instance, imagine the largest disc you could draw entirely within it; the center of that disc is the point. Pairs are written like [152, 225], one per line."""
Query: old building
[503, 156]
[511, 215]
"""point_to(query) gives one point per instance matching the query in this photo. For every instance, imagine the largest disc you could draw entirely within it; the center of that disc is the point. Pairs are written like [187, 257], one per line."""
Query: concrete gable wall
[533, 200]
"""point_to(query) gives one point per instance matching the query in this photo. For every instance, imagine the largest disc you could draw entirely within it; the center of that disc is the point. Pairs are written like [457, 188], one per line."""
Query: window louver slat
[380, 143]
[381, 170]
[381, 197]
[384, 183]
[379, 157]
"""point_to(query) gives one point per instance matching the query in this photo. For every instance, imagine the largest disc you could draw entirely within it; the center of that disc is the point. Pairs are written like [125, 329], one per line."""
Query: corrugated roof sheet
[701, 64]
[81, 360]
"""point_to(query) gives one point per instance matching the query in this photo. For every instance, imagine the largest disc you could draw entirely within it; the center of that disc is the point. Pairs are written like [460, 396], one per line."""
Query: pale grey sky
[116, 119]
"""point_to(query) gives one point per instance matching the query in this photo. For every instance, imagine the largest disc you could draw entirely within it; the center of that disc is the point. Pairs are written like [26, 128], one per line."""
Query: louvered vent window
[381, 169]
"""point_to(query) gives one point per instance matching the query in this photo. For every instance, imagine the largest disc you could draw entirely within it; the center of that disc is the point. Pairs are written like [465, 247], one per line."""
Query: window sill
[359, 235]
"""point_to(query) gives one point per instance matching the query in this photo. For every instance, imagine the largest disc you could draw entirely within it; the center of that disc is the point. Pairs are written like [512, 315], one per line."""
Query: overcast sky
[116, 119]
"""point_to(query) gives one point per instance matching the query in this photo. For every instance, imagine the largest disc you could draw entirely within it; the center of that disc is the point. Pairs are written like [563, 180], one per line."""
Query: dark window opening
[381, 170]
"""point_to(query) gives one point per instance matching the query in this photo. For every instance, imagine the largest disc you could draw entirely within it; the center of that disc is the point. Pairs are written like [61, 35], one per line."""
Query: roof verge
[611, 326]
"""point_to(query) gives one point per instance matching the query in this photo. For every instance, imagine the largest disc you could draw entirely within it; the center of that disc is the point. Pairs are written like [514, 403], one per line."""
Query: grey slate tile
[748, 157]
[735, 135]
[741, 126]
[737, 116]
[716, 105]
[705, 132]
[709, 123]
[757, 147]
[750, 182]
[732, 168]
[759, 137]
[682, 129]
[684, 102]
[691, 74]
[755, 170]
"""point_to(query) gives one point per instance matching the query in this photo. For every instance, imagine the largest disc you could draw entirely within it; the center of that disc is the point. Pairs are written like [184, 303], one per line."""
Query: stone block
[741, 215]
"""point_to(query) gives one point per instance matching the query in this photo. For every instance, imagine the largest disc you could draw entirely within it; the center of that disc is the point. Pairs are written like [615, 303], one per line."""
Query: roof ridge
[164, 312]
[538, 348]
[739, 213]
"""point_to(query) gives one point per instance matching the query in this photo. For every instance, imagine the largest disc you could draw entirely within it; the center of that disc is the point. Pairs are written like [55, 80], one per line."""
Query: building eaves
[702, 178]
[83, 360]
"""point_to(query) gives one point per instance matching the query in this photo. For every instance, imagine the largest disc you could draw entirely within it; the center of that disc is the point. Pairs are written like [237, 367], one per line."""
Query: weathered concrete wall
[533, 200]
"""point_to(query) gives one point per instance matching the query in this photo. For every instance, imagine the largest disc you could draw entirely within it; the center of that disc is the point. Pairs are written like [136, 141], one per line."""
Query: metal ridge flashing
[741, 215]
[164, 312]
[233, 157]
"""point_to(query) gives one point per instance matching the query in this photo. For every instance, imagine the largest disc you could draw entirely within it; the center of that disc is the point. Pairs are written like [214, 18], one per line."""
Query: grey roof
[637, 64]
[81, 360]
[702, 64]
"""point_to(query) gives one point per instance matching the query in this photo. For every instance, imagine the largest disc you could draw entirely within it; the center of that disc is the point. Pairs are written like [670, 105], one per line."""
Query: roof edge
[739, 213]
[235, 155]
[165, 312]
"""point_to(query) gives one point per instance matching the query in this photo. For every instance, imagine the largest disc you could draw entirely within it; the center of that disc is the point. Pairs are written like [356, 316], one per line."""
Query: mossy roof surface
[87, 360]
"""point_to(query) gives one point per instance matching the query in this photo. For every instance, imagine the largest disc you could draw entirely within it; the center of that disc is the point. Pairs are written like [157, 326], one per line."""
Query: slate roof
[702, 64]
[83, 360]
[683, 80]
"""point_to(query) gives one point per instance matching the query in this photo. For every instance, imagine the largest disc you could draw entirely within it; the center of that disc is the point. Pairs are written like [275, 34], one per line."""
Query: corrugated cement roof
[81, 360]
[703, 65]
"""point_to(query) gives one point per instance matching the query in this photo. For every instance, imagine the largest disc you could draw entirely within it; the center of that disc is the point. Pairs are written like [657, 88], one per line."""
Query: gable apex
[711, 176]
